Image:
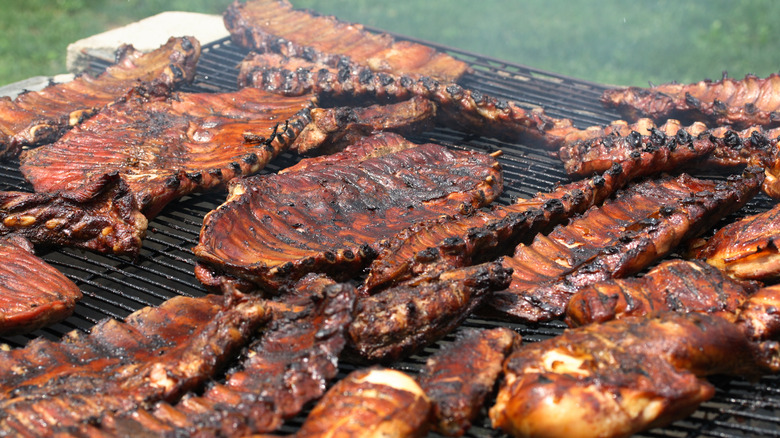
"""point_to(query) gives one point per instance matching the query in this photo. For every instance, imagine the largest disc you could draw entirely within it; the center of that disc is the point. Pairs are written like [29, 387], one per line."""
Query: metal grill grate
[114, 286]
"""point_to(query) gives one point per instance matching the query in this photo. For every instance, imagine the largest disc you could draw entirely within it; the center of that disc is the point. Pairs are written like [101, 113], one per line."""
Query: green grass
[608, 41]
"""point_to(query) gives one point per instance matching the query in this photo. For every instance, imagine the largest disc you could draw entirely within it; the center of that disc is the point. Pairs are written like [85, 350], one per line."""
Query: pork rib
[642, 224]
[620, 377]
[458, 107]
[747, 248]
[674, 285]
[274, 26]
[33, 293]
[40, 117]
[290, 364]
[460, 240]
[332, 214]
[460, 376]
[158, 353]
[742, 103]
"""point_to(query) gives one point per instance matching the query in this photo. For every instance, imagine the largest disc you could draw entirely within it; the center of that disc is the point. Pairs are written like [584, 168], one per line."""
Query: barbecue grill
[115, 286]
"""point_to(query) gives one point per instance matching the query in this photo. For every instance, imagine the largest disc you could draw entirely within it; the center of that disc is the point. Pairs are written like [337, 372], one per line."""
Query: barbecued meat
[33, 294]
[760, 321]
[331, 215]
[274, 26]
[40, 117]
[642, 224]
[747, 248]
[674, 285]
[458, 378]
[158, 353]
[374, 402]
[460, 240]
[289, 365]
[742, 103]
[100, 216]
[166, 147]
[402, 320]
[457, 107]
[620, 377]
[332, 129]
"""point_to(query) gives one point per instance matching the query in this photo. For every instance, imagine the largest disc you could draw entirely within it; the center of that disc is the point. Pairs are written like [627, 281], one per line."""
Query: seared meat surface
[620, 377]
[370, 402]
[640, 225]
[739, 102]
[403, 319]
[157, 353]
[332, 214]
[674, 285]
[33, 294]
[747, 248]
[289, 364]
[39, 117]
[460, 376]
[274, 26]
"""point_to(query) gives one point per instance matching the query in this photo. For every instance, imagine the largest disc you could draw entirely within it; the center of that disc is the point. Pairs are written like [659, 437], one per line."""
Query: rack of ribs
[332, 214]
[747, 248]
[674, 285]
[157, 353]
[643, 223]
[274, 26]
[459, 377]
[289, 364]
[620, 377]
[39, 117]
[32, 293]
[741, 103]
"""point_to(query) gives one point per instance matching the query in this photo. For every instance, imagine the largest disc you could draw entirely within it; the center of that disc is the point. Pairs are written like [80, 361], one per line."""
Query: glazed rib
[403, 319]
[100, 216]
[376, 401]
[158, 353]
[289, 365]
[459, 377]
[674, 285]
[33, 294]
[331, 215]
[620, 377]
[747, 248]
[165, 147]
[460, 240]
[741, 103]
[274, 26]
[457, 107]
[641, 225]
[40, 117]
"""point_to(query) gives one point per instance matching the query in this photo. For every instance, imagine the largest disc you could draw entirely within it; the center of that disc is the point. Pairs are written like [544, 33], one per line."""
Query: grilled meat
[674, 285]
[100, 216]
[331, 215]
[642, 224]
[166, 147]
[374, 402]
[33, 293]
[760, 321]
[332, 129]
[403, 319]
[289, 365]
[40, 117]
[459, 377]
[620, 377]
[747, 248]
[460, 240]
[457, 107]
[157, 353]
[741, 103]
[274, 26]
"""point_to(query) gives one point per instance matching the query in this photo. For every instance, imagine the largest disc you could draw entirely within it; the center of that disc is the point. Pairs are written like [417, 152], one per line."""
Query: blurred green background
[617, 42]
